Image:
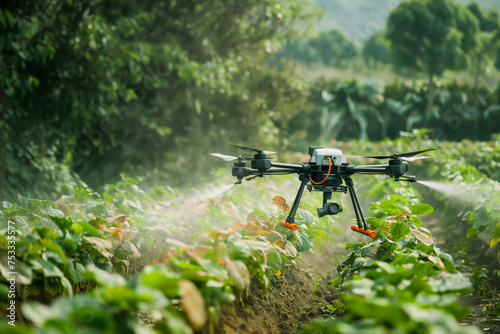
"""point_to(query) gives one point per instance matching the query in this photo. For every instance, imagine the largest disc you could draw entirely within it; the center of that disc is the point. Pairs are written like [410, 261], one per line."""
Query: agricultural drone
[327, 171]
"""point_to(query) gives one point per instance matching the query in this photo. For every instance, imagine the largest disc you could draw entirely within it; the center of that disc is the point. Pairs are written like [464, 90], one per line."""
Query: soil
[294, 299]
[289, 304]
[481, 315]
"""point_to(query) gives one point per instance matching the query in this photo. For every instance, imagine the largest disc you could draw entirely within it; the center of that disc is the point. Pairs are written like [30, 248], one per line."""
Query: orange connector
[368, 232]
[292, 227]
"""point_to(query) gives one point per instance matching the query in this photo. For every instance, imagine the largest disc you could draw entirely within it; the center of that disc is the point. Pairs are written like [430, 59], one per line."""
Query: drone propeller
[409, 156]
[251, 149]
[415, 158]
[229, 157]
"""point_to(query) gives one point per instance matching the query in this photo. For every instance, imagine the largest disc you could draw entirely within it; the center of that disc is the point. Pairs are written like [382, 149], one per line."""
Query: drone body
[327, 171]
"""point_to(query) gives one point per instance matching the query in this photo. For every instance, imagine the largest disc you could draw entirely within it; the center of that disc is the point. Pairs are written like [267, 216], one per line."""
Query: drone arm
[293, 167]
[395, 168]
[373, 169]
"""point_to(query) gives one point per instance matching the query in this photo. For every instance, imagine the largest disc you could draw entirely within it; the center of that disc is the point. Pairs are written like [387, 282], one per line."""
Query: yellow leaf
[192, 303]
[281, 203]
[117, 233]
[494, 241]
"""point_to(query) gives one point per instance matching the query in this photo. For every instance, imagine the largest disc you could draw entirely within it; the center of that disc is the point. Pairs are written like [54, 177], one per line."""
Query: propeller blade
[370, 156]
[396, 156]
[229, 157]
[224, 157]
[411, 154]
[251, 149]
[414, 158]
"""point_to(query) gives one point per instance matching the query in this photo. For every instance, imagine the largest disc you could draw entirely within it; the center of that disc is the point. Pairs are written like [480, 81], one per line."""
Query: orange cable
[327, 175]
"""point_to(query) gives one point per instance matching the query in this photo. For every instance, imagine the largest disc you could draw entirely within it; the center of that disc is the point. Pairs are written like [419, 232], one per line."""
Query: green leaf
[130, 249]
[238, 272]
[399, 231]
[100, 245]
[83, 310]
[77, 228]
[303, 241]
[480, 222]
[63, 223]
[68, 288]
[69, 244]
[421, 209]
[129, 299]
[377, 223]
[89, 229]
[46, 233]
[273, 259]
[53, 247]
[168, 284]
[306, 216]
[24, 274]
[261, 215]
[450, 283]
[471, 232]
[102, 277]
[7, 205]
[286, 248]
[46, 267]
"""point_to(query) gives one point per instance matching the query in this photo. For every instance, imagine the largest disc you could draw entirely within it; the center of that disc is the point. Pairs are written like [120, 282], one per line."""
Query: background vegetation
[97, 94]
[96, 88]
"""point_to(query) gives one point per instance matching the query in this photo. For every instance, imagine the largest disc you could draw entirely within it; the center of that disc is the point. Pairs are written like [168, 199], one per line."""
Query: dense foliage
[330, 48]
[398, 281]
[364, 109]
[101, 87]
[203, 257]
[96, 88]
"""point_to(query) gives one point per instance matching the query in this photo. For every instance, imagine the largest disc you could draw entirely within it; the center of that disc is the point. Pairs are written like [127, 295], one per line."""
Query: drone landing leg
[362, 226]
[289, 222]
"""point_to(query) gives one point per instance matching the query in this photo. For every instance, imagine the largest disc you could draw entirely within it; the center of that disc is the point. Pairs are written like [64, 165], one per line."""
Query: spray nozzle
[407, 178]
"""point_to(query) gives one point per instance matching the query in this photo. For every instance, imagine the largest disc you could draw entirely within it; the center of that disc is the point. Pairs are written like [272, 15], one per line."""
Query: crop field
[216, 259]
[137, 194]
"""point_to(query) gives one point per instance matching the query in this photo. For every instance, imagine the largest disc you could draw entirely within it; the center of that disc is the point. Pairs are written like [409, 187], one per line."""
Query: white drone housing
[320, 155]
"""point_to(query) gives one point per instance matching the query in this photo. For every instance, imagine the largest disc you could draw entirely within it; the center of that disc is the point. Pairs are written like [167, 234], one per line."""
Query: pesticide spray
[452, 190]
[216, 192]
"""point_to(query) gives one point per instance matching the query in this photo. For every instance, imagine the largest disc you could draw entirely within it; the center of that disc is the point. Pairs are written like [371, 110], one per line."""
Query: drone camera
[329, 209]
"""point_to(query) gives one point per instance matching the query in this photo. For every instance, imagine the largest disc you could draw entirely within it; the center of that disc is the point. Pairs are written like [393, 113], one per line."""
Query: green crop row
[206, 250]
[399, 282]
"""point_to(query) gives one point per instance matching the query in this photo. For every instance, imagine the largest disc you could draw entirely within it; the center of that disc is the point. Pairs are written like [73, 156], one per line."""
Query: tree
[486, 50]
[488, 20]
[334, 48]
[431, 36]
[376, 51]
[101, 87]
[348, 103]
